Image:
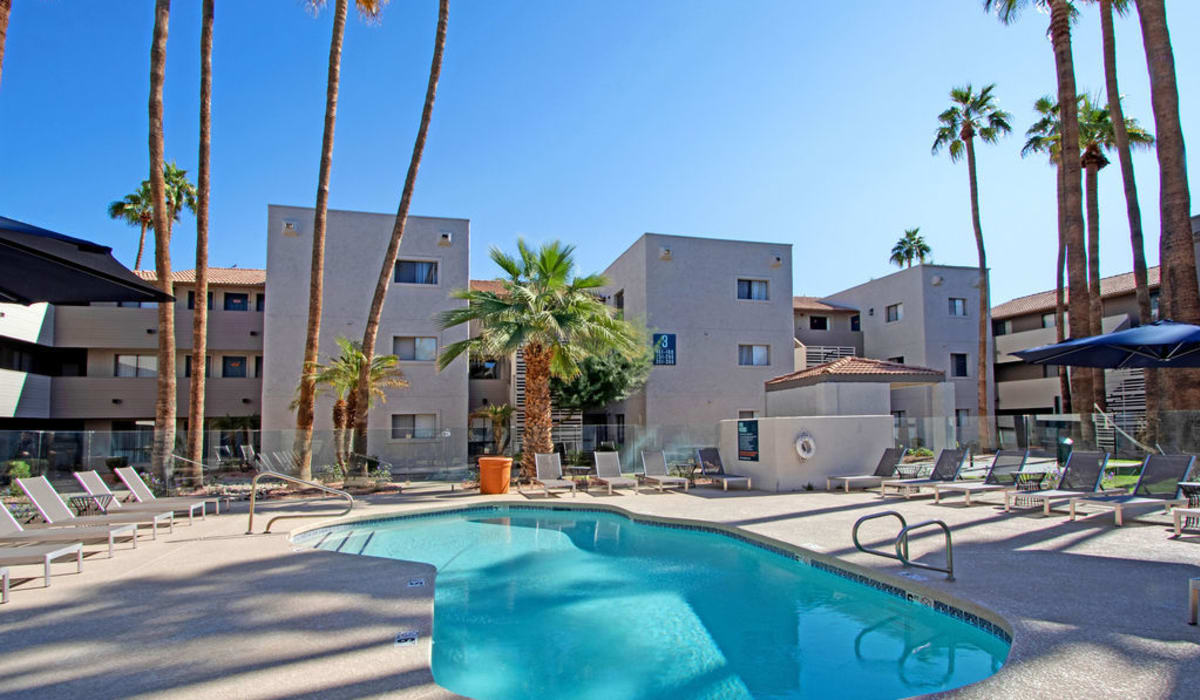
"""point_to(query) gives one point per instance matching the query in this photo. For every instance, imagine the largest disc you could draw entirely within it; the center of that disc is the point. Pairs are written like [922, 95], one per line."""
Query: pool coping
[912, 591]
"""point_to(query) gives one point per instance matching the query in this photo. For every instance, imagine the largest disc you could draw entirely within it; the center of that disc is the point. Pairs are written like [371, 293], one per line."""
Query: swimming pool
[574, 603]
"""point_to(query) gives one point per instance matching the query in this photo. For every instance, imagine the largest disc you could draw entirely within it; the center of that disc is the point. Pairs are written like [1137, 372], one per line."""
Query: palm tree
[974, 114]
[164, 404]
[1061, 14]
[5, 7]
[195, 443]
[371, 331]
[136, 209]
[306, 403]
[911, 246]
[1180, 294]
[1043, 137]
[549, 315]
[499, 414]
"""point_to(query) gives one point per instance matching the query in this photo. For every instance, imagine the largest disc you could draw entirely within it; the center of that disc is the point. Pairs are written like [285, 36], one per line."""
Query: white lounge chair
[654, 469]
[608, 472]
[54, 511]
[947, 467]
[885, 469]
[11, 532]
[1001, 476]
[549, 473]
[145, 497]
[39, 554]
[711, 466]
[1081, 475]
[1157, 487]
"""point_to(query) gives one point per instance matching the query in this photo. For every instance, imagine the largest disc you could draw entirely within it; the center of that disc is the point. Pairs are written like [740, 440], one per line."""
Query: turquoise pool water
[560, 604]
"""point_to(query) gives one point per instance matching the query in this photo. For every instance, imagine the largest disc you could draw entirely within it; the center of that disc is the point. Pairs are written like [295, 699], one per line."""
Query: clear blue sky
[593, 122]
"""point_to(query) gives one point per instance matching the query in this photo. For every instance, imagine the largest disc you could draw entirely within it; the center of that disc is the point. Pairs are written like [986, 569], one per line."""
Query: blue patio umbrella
[1158, 344]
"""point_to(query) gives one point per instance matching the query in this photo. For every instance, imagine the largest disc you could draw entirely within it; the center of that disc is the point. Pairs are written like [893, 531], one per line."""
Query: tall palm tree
[1061, 14]
[195, 443]
[911, 246]
[1043, 137]
[498, 414]
[970, 115]
[553, 317]
[5, 8]
[1180, 295]
[306, 403]
[136, 209]
[371, 332]
[164, 404]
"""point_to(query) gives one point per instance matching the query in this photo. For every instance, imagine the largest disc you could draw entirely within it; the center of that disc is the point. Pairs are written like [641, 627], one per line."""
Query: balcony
[133, 397]
[1011, 342]
[1027, 394]
[24, 395]
[136, 329]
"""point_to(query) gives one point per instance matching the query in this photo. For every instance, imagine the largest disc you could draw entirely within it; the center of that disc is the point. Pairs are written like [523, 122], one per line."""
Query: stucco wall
[830, 399]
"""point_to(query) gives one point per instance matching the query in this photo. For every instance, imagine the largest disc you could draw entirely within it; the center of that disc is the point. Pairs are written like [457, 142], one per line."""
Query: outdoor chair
[54, 511]
[709, 459]
[608, 472]
[11, 532]
[886, 468]
[549, 473]
[654, 470]
[1001, 476]
[143, 497]
[40, 554]
[947, 467]
[1157, 487]
[1081, 475]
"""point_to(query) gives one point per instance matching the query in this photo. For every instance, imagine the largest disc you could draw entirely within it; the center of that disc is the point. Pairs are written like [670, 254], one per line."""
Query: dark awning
[40, 265]
[1158, 344]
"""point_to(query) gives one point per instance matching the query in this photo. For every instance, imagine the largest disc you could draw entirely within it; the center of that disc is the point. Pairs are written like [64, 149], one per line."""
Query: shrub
[920, 452]
[17, 469]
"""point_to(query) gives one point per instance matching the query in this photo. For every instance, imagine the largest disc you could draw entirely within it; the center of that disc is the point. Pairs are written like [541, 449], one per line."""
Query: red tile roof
[1117, 285]
[219, 276]
[854, 367]
[815, 304]
[493, 286]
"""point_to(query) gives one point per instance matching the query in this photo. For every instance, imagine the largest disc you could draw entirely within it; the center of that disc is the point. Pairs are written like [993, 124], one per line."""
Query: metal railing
[901, 542]
[268, 473]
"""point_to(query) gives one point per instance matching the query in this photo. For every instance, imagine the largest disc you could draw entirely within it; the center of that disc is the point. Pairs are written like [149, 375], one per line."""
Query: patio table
[580, 472]
[1191, 491]
[87, 504]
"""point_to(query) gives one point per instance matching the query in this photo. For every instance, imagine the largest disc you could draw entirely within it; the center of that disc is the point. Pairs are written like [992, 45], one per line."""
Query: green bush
[17, 469]
[920, 452]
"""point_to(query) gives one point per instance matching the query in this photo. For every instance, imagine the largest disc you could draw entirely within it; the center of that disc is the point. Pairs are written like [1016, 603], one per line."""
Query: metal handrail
[286, 477]
[901, 542]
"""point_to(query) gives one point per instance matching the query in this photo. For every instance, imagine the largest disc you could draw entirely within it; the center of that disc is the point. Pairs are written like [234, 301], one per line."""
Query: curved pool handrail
[270, 473]
[876, 552]
[902, 541]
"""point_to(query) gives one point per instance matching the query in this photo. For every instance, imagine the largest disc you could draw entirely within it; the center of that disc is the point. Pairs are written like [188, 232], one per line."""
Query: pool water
[562, 604]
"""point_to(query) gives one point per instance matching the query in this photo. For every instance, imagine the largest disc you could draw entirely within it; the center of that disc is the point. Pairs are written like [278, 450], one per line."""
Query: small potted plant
[495, 470]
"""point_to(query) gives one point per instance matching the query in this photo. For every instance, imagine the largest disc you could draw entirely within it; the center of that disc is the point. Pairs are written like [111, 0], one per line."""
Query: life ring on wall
[806, 447]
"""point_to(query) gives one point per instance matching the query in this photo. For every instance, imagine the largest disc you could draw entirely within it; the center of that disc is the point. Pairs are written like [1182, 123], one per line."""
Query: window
[258, 365]
[895, 312]
[484, 369]
[754, 355]
[958, 306]
[958, 364]
[187, 365]
[138, 304]
[237, 302]
[746, 415]
[855, 323]
[410, 426]
[752, 289]
[1154, 306]
[415, 349]
[416, 272]
[136, 366]
[1048, 320]
[260, 302]
[192, 300]
[961, 416]
[1000, 327]
[233, 366]
[899, 359]
[818, 323]
[619, 300]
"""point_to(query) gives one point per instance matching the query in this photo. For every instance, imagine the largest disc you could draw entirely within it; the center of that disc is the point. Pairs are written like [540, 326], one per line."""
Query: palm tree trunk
[195, 445]
[1132, 207]
[1093, 160]
[389, 257]
[1064, 383]
[1179, 296]
[306, 402]
[1078, 317]
[347, 432]
[982, 360]
[537, 438]
[5, 7]
[137, 262]
[164, 404]
[339, 431]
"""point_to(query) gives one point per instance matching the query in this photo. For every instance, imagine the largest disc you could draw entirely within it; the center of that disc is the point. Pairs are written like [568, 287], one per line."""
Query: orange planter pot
[494, 474]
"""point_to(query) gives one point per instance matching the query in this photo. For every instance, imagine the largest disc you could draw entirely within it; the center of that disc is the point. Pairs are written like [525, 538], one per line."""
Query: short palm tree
[498, 414]
[974, 115]
[911, 246]
[549, 315]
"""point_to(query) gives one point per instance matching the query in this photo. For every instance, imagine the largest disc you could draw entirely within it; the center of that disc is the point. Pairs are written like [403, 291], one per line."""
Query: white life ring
[806, 446]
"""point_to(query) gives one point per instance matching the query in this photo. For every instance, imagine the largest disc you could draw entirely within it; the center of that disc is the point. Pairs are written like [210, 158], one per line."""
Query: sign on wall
[664, 348]
[747, 441]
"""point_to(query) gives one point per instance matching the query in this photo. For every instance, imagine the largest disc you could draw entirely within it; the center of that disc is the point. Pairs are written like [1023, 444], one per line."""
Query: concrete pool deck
[1096, 611]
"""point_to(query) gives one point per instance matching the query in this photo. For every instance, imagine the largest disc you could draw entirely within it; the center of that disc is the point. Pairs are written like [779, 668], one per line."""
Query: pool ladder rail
[272, 474]
[901, 542]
